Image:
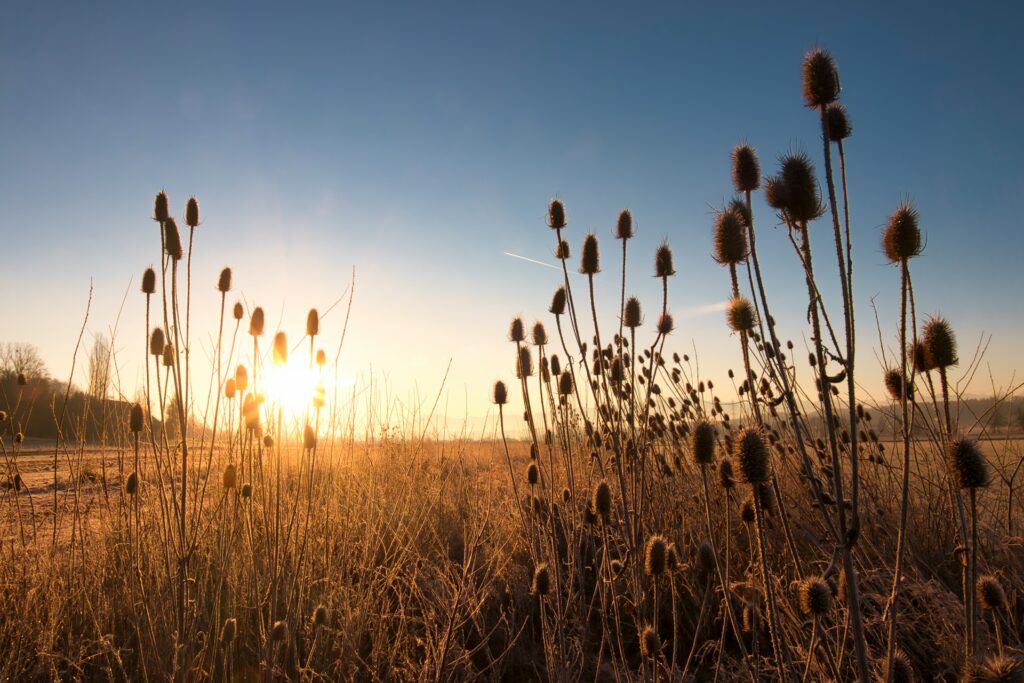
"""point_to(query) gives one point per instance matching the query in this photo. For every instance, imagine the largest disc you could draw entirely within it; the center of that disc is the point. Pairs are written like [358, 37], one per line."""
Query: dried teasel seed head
[278, 632]
[558, 302]
[230, 477]
[602, 501]
[541, 584]
[517, 330]
[172, 239]
[655, 556]
[161, 207]
[308, 438]
[746, 169]
[705, 560]
[156, 342]
[748, 513]
[632, 317]
[224, 281]
[22, 379]
[802, 198]
[280, 348]
[969, 465]
[624, 225]
[995, 669]
[702, 442]
[169, 355]
[991, 595]
[752, 456]
[896, 384]
[321, 357]
[241, 378]
[821, 78]
[230, 388]
[740, 315]
[540, 335]
[256, 322]
[251, 412]
[556, 214]
[3, 415]
[268, 441]
[565, 385]
[131, 485]
[136, 419]
[939, 343]
[556, 365]
[815, 597]
[312, 323]
[751, 618]
[590, 263]
[149, 281]
[246, 490]
[775, 193]
[532, 474]
[524, 363]
[838, 121]
[730, 237]
[19, 438]
[500, 395]
[739, 207]
[902, 670]
[901, 239]
[238, 312]
[562, 251]
[227, 632]
[665, 324]
[663, 261]
[725, 474]
[319, 617]
[650, 642]
[192, 212]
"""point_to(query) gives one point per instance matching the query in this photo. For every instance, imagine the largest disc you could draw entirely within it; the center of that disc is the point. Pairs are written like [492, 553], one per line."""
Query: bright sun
[296, 387]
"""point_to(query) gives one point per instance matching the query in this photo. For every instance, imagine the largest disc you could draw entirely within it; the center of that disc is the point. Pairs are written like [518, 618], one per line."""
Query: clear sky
[419, 142]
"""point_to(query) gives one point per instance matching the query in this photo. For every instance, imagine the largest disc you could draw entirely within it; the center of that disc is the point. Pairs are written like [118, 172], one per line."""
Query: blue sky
[419, 142]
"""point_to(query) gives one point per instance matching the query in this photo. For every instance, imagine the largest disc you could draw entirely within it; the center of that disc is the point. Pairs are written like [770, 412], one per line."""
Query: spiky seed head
[524, 363]
[565, 385]
[169, 355]
[632, 316]
[541, 584]
[746, 169]
[897, 385]
[278, 632]
[562, 251]
[517, 330]
[556, 365]
[238, 312]
[990, 593]
[556, 214]
[156, 342]
[312, 323]
[227, 632]
[920, 357]
[230, 388]
[149, 281]
[748, 514]
[815, 597]
[655, 556]
[3, 415]
[251, 412]
[650, 642]
[602, 501]
[821, 78]
[739, 206]
[624, 225]
[705, 560]
[775, 193]
[308, 438]
[192, 212]
[540, 335]
[246, 490]
[256, 322]
[135, 421]
[280, 348]
[230, 477]
[969, 465]
[590, 261]
[22, 379]
[752, 456]
[224, 281]
[665, 324]
[319, 617]
[532, 474]
[19, 438]
[939, 343]
[995, 669]
[802, 198]
[672, 558]
[751, 618]
[702, 441]
[838, 119]
[241, 378]
[500, 394]
[557, 306]
[616, 373]
[730, 237]
[740, 315]
[663, 261]
[131, 486]
[161, 210]
[172, 239]
[901, 239]
[725, 474]
[902, 670]
[321, 357]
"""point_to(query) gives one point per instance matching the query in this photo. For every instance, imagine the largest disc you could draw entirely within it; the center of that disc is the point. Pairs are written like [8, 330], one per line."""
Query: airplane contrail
[704, 310]
[524, 258]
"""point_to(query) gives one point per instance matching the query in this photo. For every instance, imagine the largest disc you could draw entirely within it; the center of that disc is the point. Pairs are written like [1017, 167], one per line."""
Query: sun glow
[297, 388]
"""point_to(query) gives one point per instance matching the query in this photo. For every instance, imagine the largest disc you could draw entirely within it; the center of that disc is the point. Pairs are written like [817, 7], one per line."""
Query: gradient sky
[419, 142]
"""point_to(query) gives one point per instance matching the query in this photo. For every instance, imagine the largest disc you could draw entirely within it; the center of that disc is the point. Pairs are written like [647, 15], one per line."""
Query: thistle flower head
[280, 348]
[540, 335]
[815, 597]
[752, 455]
[802, 198]
[730, 237]
[256, 322]
[901, 240]
[991, 595]
[558, 302]
[565, 385]
[665, 324]
[702, 442]
[156, 342]
[740, 315]
[590, 260]
[517, 330]
[161, 211]
[920, 358]
[838, 121]
[663, 261]
[746, 169]
[897, 385]
[968, 463]
[149, 281]
[562, 251]
[312, 323]
[500, 395]
[655, 556]
[996, 669]
[939, 343]
[556, 214]
[172, 239]
[556, 365]
[524, 363]
[632, 316]
[821, 78]
[192, 212]
[624, 225]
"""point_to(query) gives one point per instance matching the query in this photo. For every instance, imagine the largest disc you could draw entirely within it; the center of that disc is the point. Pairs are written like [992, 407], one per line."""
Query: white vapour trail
[524, 258]
[703, 310]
